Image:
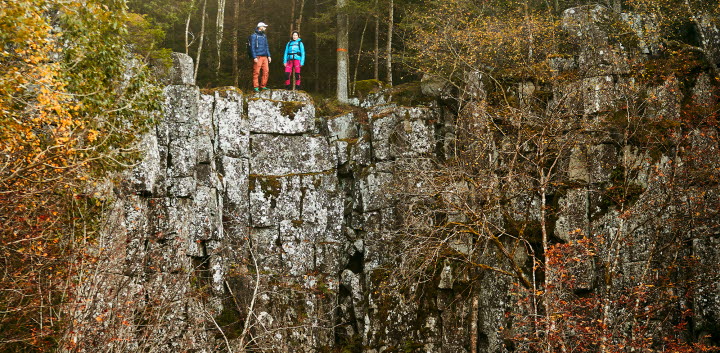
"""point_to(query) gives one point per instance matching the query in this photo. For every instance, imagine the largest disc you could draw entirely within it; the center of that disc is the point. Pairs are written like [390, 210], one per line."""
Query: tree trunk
[474, 316]
[300, 16]
[376, 58]
[187, 28]
[316, 56]
[220, 24]
[530, 31]
[389, 43]
[342, 52]
[549, 323]
[202, 36]
[292, 18]
[236, 44]
[359, 55]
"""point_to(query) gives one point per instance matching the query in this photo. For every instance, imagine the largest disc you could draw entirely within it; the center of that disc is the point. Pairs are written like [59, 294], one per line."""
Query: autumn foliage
[628, 314]
[629, 281]
[67, 116]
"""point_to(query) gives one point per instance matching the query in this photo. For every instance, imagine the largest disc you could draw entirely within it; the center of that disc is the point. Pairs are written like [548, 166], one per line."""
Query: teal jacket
[295, 50]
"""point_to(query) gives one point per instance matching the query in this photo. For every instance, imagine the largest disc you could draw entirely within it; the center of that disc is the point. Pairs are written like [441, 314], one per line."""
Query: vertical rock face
[249, 228]
[253, 223]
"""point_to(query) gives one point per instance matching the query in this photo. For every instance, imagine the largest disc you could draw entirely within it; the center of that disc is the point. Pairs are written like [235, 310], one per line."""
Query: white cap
[261, 24]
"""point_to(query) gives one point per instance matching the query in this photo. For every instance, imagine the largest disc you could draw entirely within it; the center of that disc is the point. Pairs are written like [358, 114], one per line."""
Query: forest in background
[73, 97]
[221, 37]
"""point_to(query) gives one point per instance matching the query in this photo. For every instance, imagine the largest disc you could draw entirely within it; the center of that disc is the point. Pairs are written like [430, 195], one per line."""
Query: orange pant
[261, 63]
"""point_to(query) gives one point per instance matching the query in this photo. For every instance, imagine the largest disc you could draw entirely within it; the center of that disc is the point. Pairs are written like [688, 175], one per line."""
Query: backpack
[247, 46]
[287, 48]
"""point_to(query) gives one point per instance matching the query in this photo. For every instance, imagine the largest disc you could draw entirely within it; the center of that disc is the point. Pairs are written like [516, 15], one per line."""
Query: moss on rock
[365, 87]
[290, 108]
[269, 185]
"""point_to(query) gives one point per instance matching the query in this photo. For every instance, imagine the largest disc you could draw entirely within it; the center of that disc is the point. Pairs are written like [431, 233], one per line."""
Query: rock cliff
[254, 223]
[245, 202]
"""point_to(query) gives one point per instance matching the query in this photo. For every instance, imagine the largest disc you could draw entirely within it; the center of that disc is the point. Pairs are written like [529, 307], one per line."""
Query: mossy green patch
[290, 108]
[221, 91]
[411, 346]
[352, 141]
[323, 288]
[270, 185]
[365, 87]
[325, 106]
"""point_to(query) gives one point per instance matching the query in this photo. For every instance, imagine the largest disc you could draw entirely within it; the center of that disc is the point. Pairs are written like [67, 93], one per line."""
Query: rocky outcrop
[254, 223]
[244, 224]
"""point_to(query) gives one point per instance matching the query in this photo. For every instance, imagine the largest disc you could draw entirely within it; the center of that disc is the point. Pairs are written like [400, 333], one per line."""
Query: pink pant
[289, 66]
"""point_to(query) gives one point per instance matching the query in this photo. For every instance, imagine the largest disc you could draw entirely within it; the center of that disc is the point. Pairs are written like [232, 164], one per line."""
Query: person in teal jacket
[294, 59]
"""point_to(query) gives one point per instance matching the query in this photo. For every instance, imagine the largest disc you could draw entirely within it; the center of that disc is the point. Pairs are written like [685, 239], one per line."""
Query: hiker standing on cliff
[260, 53]
[294, 59]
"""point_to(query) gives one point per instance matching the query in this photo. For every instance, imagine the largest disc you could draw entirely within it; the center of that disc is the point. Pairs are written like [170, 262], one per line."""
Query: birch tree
[376, 51]
[298, 23]
[188, 41]
[220, 29]
[236, 43]
[388, 50]
[342, 52]
[203, 14]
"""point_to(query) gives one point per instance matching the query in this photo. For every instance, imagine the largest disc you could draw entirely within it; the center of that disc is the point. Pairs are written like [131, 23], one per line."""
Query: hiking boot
[264, 88]
[256, 89]
[287, 87]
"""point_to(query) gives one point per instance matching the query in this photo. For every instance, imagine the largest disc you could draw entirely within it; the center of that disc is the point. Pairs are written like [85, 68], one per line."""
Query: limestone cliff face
[254, 223]
[244, 206]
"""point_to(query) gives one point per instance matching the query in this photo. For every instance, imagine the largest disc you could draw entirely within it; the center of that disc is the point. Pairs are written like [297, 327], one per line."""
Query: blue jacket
[259, 44]
[295, 50]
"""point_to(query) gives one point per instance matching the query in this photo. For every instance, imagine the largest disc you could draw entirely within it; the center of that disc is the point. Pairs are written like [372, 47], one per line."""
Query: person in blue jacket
[260, 53]
[294, 59]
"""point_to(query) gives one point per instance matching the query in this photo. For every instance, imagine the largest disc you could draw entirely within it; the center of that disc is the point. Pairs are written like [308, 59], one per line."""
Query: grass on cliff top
[406, 94]
[330, 106]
